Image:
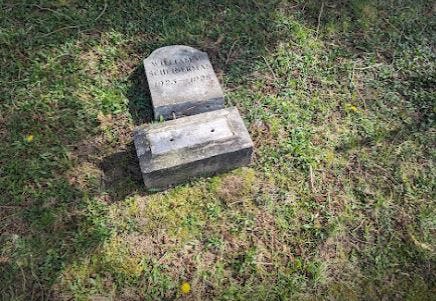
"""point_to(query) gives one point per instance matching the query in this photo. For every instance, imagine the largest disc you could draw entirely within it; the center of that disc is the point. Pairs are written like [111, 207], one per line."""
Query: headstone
[182, 82]
[204, 144]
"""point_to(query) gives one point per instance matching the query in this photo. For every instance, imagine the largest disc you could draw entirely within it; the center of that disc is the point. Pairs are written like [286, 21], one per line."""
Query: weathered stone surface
[182, 82]
[177, 150]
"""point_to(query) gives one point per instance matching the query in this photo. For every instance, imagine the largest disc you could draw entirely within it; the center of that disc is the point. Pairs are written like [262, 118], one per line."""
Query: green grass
[338, 97]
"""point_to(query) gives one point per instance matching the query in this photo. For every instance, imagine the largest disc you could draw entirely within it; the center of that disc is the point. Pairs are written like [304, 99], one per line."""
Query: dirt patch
[261, 134]
[235, 188]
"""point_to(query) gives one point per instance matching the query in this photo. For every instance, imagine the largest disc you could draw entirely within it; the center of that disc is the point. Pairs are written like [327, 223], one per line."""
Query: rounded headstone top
[174, 51]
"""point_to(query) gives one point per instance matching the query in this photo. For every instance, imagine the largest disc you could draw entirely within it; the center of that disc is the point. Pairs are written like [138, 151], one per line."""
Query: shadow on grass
[122, 175]
[55, 211]
[140, 106]
[57, 205]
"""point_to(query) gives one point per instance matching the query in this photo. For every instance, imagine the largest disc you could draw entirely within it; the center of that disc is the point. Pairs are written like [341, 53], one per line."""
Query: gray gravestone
[182, 82]
[177, 150]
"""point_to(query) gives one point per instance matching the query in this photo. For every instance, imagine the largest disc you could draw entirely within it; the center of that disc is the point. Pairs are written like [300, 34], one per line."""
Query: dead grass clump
[237, 186]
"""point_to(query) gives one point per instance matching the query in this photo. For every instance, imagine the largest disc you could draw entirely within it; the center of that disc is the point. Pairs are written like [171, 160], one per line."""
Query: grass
[338, 97]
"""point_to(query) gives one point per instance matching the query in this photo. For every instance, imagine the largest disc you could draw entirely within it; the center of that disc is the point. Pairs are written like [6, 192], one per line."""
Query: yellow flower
[185, 288]
[330, 157]
[29, 138]
[351, 108]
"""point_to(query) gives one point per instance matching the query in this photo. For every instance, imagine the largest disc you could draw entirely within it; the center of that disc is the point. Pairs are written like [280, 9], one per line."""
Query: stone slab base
[200, 145]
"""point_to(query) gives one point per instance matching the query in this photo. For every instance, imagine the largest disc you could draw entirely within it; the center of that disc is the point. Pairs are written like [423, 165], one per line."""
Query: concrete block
[200, 145]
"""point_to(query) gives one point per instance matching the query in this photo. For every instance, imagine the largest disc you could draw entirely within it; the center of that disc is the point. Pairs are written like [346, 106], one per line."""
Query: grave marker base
[199, 145]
